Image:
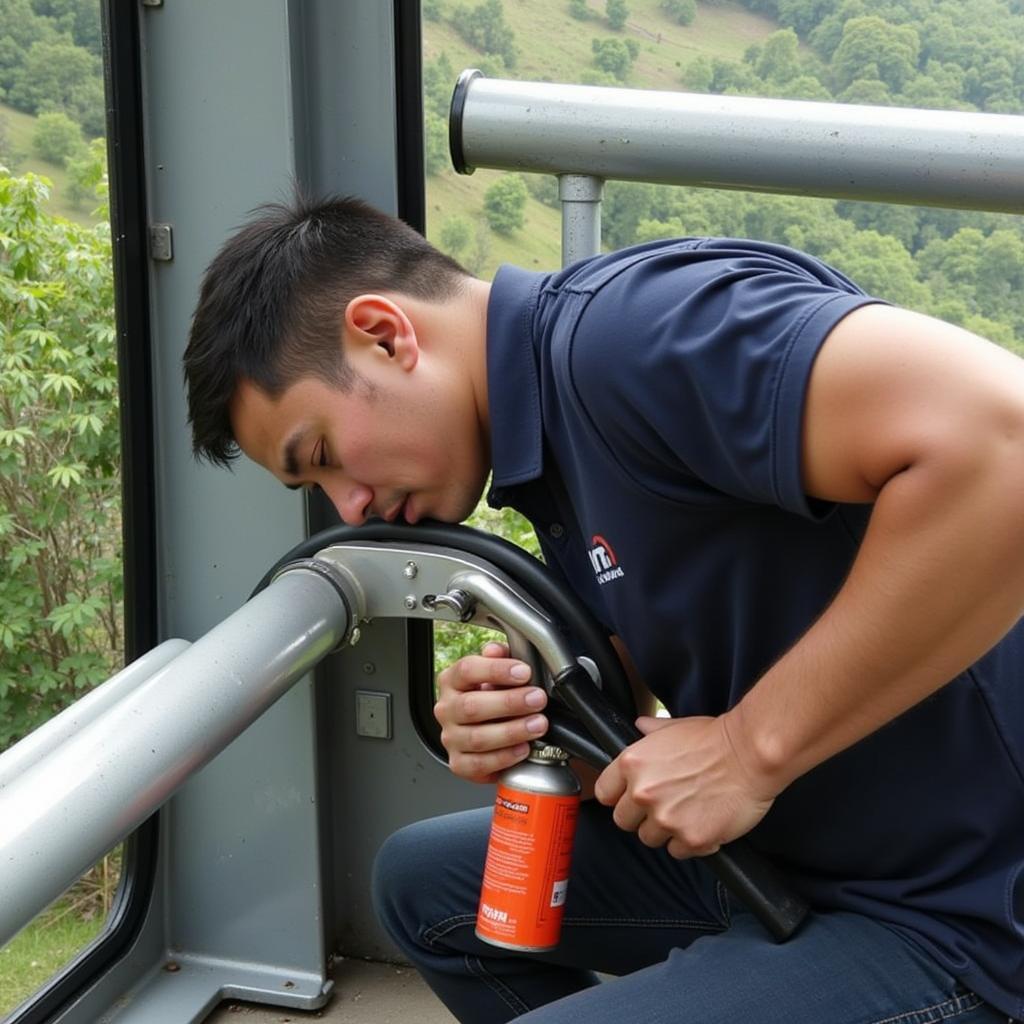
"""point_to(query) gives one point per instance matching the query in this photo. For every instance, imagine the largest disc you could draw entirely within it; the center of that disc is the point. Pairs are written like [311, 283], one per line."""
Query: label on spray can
[526, 875]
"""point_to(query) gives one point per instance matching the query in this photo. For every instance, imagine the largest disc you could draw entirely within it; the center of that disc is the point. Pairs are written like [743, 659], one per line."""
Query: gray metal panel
[222, 84]
[349, 115]
[220, 141]
[377, 785]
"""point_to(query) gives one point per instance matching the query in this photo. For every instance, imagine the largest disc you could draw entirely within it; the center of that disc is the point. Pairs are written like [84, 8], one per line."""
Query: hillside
[554, 46]
[19, 129]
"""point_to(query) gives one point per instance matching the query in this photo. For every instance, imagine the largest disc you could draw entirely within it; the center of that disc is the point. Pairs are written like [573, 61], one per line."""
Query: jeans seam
[946, 1009]
[723, 903]
[443, 927]
[436, 931]
[646, 922]
[476, 967]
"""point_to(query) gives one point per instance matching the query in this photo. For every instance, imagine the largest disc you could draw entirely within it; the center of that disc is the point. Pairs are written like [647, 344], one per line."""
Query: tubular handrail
[74, 802]
[51, 734]
[883, 154]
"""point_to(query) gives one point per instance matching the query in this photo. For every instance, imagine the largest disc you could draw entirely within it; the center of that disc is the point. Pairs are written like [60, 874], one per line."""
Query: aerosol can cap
[546, 753]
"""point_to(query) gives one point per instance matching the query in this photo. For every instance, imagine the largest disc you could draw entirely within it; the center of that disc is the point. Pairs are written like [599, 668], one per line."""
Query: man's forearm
[939, 579]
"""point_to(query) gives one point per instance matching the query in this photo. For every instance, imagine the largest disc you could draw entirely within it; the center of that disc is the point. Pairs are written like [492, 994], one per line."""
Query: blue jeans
[681, 951]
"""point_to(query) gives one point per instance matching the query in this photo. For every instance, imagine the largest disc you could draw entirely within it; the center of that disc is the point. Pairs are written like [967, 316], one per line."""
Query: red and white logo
[603, 561]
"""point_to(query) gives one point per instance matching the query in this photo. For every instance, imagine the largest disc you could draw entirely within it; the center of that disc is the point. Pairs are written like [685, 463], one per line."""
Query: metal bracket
[447, 585]
[161, 241]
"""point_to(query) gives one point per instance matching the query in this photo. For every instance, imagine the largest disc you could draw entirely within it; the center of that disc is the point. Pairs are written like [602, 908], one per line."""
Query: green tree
[803, 87]
[60, 591]
[505, 204]
[456, 234]
[614, 56]
[580, 10]
[891, 51]
[435, 143]
[698, 75]
[80, 19]
[803, 15]
[735, 78]
[778, 61]
[869, 91]
[901, 222]
[484, 27]
[87, 175]
[54, 76]
[682, 12]
[438, 83]
[882, 267]
[617, 12]
[56, 137]
[543, 188]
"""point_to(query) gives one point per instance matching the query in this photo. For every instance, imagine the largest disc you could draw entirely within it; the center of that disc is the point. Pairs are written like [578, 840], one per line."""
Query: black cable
[584, 633]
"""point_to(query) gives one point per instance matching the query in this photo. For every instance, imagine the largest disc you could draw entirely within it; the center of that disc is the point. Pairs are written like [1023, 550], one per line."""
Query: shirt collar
[513, 387]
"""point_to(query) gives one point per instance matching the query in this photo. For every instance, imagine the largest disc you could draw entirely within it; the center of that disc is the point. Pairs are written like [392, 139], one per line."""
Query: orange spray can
[526, 874]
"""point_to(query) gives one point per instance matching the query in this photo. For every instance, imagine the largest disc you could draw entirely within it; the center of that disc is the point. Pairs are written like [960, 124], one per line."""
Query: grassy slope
[20, 127]
[555, 47]
[38, 952]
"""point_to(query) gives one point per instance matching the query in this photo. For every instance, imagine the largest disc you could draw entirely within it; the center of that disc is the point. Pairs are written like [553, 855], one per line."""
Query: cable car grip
[386, 571]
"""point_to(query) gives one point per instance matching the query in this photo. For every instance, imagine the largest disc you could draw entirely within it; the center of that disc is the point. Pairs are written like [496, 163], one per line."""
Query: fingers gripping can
[526, 874]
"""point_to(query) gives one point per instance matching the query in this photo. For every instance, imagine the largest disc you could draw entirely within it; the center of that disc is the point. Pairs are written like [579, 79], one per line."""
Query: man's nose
[351, 500]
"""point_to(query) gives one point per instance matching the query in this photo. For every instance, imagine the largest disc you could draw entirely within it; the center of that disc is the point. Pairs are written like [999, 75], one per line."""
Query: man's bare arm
[927, 422]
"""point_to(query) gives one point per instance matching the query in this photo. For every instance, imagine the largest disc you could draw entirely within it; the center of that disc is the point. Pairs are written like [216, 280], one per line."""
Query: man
[814, 504]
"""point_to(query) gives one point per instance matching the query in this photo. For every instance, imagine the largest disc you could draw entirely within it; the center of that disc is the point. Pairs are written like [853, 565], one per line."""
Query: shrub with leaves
[505, 204]
[60, 537]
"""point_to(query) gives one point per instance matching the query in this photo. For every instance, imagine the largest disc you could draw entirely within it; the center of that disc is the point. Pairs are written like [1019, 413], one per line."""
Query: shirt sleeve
[692, 367]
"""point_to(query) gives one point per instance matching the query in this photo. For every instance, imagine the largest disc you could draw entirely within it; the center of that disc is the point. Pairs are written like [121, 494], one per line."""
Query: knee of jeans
[397, 885]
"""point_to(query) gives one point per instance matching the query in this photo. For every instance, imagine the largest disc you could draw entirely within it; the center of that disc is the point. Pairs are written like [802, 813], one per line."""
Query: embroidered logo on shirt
[602, 558]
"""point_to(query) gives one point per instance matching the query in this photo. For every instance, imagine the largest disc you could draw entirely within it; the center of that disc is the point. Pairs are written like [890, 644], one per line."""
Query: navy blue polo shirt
[646, 417]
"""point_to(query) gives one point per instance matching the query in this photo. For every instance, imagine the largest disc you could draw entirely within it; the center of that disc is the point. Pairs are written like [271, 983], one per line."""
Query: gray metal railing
[589, 134]
[79, 785]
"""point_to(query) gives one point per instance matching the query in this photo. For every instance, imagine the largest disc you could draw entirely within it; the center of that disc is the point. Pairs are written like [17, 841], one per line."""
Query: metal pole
[50, 735]
[884, 154]
[580, 195]
[69, 808]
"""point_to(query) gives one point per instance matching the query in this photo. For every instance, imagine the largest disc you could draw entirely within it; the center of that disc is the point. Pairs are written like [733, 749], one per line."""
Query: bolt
[410, 602]
[410, 570]
[354, 637]
[369, 668]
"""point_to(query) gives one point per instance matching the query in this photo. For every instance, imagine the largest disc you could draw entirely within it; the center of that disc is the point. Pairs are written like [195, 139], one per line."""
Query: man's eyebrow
[290, 458]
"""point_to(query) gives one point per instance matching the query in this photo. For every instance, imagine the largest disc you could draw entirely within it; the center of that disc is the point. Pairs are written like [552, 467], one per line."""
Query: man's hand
[683, 784]
[487, 713]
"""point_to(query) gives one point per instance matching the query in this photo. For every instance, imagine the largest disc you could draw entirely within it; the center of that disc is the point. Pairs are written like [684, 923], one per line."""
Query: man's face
[396, 445]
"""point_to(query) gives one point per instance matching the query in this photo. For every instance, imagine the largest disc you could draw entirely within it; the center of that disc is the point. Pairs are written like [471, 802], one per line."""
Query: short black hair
[273, 299]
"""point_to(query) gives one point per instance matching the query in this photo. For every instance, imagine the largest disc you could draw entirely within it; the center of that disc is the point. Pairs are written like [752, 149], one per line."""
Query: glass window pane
[59, 933]
[61, 616]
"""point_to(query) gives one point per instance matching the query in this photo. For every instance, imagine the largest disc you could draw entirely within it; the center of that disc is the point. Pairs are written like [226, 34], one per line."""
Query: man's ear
[380, 325]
